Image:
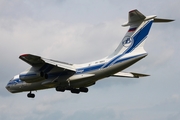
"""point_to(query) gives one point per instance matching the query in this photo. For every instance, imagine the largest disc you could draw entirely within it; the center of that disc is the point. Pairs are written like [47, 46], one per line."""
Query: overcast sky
[79, 31]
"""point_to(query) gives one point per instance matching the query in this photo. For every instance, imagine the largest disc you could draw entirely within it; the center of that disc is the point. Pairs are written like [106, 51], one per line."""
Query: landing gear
[83, 89]
[73, 90]
[30, 95]
[77, 91]
[60, 89]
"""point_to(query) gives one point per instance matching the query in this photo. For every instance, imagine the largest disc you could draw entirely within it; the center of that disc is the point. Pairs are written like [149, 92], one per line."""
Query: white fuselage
[94, 69]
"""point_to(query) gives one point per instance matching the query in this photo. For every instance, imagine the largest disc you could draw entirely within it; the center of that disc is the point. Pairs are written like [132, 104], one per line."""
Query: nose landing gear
[30, 95]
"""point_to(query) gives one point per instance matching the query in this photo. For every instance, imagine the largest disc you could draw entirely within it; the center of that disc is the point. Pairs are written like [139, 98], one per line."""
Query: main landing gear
[73, 90]
[30, 95]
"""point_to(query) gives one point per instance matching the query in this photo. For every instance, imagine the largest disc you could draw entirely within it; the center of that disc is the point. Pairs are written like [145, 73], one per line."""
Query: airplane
[47, 73]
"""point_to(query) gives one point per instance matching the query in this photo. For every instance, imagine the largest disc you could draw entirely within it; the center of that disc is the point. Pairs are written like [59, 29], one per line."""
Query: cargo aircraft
[47, 73]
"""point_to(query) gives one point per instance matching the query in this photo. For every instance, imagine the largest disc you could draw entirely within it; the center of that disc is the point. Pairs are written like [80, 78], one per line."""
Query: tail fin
[137, 33]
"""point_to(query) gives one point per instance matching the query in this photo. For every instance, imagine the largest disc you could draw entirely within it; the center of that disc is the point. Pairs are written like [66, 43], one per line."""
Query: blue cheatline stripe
[90, 68]
[111, 61]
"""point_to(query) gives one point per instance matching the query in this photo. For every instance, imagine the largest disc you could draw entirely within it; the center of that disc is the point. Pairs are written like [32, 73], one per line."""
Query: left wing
[34, 60]
[129, 74]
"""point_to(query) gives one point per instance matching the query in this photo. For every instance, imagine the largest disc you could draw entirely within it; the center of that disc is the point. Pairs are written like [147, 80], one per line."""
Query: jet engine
[32, 76]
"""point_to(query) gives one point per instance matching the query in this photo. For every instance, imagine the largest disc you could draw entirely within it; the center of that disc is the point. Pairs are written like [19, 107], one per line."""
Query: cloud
[94, 114]
[50, 38]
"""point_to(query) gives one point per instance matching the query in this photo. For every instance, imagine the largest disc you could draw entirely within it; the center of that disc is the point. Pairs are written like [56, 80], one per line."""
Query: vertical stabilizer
[136, 22]
[139, 26]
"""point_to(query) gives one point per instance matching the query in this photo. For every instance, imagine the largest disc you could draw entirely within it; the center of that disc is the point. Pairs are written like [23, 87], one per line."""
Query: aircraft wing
[129, 74]
[34, 60]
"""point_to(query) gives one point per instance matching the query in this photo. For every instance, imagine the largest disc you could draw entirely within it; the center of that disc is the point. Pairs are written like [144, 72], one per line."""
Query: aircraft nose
[8, 88]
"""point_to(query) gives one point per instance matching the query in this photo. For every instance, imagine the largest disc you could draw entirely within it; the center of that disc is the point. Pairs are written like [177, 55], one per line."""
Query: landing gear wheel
[30, 95]
[77, 91]
[83, 89]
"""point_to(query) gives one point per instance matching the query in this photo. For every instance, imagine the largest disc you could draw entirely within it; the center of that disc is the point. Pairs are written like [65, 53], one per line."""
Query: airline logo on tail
[127, 41]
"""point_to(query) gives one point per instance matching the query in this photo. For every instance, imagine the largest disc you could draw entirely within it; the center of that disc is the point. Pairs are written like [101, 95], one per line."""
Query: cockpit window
[11, 80]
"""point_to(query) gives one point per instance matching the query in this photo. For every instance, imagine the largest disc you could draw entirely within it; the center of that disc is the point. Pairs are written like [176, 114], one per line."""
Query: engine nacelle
[32, 76]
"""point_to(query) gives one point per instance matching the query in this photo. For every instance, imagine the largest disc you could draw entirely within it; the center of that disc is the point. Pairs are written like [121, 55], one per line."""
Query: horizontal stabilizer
[134, 17]
[129, 75]
[162, 20]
